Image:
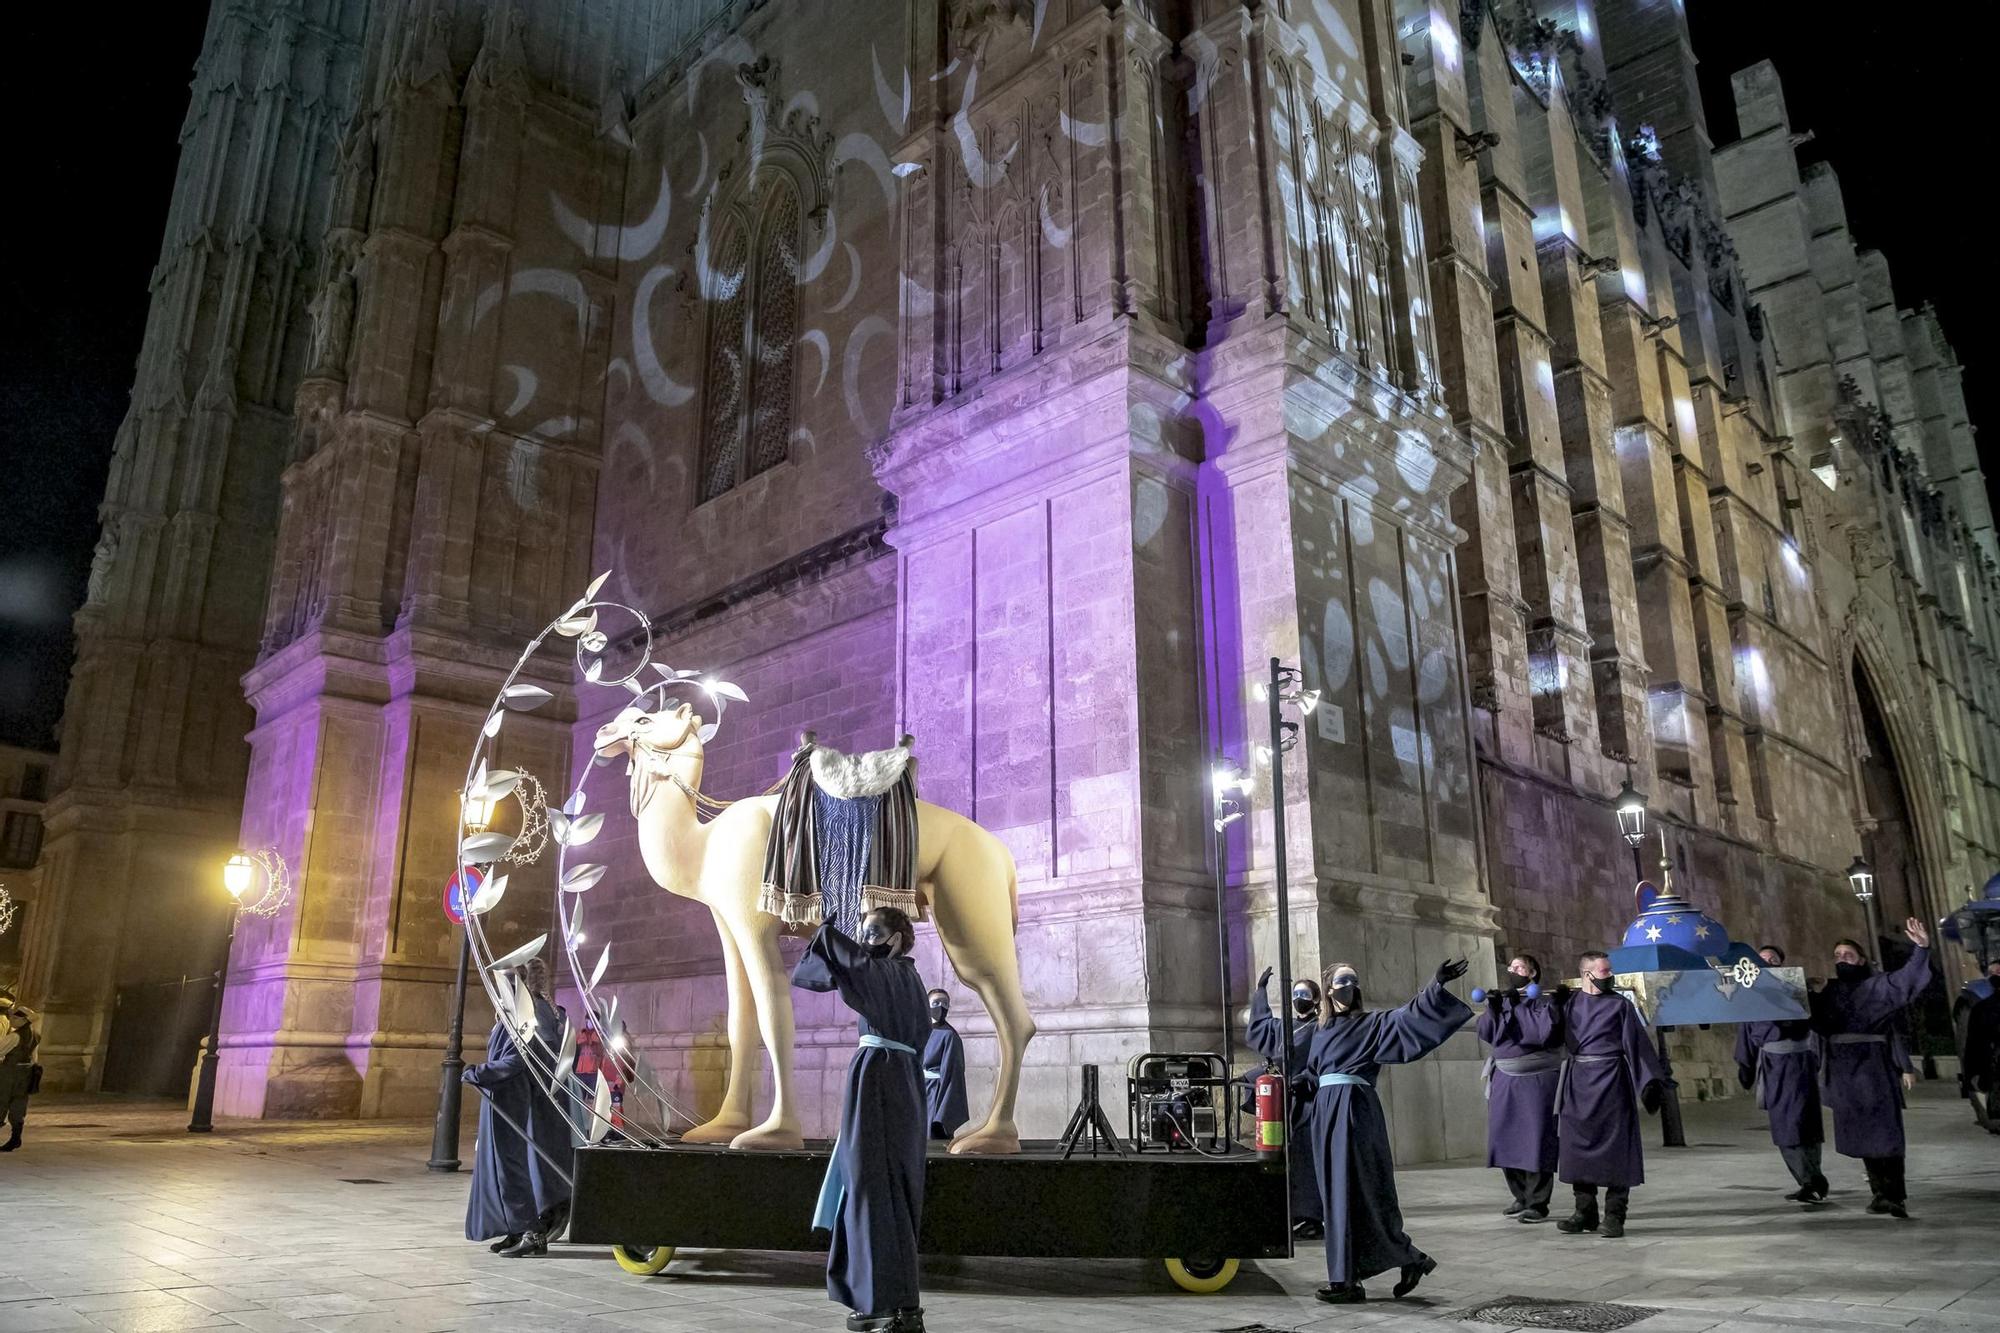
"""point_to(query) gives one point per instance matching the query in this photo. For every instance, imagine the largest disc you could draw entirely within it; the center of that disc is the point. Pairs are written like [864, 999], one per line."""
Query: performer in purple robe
[1981, 1044]
[517, 1193]
[1611, 1071]
[944, 1071]
[1861, 1078]
[1781, 1062]
[1357, 1178]
[873, 1199]
[1266, 1038]
[1522, 1073]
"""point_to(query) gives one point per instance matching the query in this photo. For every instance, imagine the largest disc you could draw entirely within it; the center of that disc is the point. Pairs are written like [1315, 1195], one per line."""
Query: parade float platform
[1201, 1215]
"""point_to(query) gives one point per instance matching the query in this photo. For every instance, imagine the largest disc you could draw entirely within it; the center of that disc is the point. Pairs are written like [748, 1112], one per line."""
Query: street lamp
[475, 813]
[1631, 809]
[1861, 879]
[239, 873]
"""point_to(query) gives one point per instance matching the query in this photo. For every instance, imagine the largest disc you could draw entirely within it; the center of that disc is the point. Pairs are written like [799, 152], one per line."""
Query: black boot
[531, 1244]
[507, 1242]
[13, 1140]
[1513, 1208]
[1583, 1219]
[1412, 1275]
[1614, 1220]
[1343, 1293]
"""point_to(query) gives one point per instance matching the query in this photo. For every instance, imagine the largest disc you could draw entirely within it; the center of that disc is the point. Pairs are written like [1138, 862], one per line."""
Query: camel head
[651, 740]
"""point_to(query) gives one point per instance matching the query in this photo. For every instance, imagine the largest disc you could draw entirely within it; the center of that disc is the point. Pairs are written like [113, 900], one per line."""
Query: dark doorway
[1892, 850]
[156, 1032]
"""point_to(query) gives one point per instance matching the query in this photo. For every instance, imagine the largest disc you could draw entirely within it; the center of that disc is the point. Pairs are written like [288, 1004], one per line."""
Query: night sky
[1894, 94]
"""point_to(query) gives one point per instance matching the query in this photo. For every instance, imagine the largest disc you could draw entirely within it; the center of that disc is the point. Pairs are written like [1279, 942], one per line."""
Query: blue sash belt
[834, 1188]
[1343, 1080]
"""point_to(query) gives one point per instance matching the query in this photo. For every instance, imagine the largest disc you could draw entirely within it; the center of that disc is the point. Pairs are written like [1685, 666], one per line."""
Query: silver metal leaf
[727, 691]
[685, 674]
[600, 1111]
[575, 926]
[574, 805]
[707, 733]
[485, 848]
[609, 1028]
[492, 727]
[665, 670]
[532, 949]
[603, 961]
[571, 627]
[559, 826]
[594, 641]
[488, 896]
[633, 687]
[595, 584]
[525, 697]
[582, 829]
[582, 878]
[524, 1009]
[568, 1056]
[593, 669]
[500, 784]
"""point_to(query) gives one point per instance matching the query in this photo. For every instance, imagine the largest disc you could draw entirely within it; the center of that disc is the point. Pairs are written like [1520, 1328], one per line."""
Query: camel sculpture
[964, 873]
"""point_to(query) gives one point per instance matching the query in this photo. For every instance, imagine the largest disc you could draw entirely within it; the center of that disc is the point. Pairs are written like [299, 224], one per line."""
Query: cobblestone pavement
[111, 1217]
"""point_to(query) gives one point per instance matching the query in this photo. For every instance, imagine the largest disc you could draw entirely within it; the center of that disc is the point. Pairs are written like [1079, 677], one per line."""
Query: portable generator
[1178, 1102]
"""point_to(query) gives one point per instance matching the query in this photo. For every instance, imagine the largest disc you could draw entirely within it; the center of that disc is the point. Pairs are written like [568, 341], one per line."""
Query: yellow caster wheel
[1201, 1276]
[646, 1260]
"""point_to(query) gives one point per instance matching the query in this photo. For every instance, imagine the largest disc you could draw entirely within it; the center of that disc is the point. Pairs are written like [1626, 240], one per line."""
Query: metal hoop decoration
[7, 910]
[533, 838]
[569, 827]
[277, 883]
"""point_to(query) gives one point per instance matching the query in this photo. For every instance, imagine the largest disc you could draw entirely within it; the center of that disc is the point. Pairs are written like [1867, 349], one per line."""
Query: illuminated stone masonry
[1025, 376]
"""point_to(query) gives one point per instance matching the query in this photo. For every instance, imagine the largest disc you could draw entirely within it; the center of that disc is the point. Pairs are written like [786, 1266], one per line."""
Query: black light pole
[236, 877]
[1274, 699]
[1631, 810]
[477, 816]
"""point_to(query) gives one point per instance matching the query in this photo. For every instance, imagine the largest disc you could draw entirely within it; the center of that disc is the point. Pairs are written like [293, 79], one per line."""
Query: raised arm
[510, 1066]
[1880, 996]
[1421, 1026]
[830, 960]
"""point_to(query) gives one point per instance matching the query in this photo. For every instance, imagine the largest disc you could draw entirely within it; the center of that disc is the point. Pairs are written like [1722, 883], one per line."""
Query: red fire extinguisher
[1271, 1118]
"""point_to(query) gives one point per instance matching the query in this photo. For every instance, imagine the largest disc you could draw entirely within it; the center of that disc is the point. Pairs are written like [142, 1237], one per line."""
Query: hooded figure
[944, 1071]
[1350, 1137]
[873, 1198]
[1266, 1038]
[516, 1194]
[18, 1040]
[1611, 1070]
[1781, 1062]
[1523, 1072]
[1861, 1078]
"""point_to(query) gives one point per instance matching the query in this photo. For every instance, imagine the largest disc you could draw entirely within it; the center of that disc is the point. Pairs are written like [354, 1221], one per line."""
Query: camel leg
[975, 922]
[734, 1117]
[757, 936]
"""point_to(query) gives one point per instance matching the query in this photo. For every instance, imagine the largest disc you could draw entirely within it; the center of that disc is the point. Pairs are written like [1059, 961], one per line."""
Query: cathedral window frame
[771, 209]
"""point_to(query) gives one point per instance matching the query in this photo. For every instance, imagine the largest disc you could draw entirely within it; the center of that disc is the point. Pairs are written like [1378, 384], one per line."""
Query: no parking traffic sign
[458, 891]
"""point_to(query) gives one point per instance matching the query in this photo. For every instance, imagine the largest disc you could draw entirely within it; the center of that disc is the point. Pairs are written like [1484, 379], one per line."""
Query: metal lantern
[238, 874]
[1631, 808]
[1861, 876]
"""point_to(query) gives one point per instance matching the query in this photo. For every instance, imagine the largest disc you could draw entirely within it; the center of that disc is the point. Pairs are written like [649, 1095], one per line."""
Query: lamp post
[476, 814]
[1631, 808]
[1861, 878]
[238, 874]
[1229, 791]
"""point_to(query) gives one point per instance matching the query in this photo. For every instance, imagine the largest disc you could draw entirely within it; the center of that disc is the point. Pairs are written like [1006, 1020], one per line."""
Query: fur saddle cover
[843, 838]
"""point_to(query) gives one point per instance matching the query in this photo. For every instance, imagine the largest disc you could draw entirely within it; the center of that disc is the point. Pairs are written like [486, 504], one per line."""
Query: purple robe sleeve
[1267, 1033]
[1746, 1049]
[1417, 1028]
[493, 1073]
[1639, 1052]
[1881, 996]
[829, 963]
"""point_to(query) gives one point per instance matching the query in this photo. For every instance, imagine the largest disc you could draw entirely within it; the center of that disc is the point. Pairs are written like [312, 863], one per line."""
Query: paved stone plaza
[114, 1218]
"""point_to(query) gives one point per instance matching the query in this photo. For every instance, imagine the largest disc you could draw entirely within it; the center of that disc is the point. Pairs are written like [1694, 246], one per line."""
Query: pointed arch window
[752, 343]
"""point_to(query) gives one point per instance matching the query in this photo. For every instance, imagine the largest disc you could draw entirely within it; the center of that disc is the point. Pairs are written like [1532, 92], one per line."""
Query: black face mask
[1304, 1004]
[879, 942]
[1513, 980]
[1853, 971]
[938, 1013]
[1603, 985]
[1344, 996]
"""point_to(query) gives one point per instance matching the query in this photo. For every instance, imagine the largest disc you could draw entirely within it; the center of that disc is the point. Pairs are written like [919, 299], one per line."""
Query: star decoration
[1674, 919]
[1701, 932]
[1652, 933]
